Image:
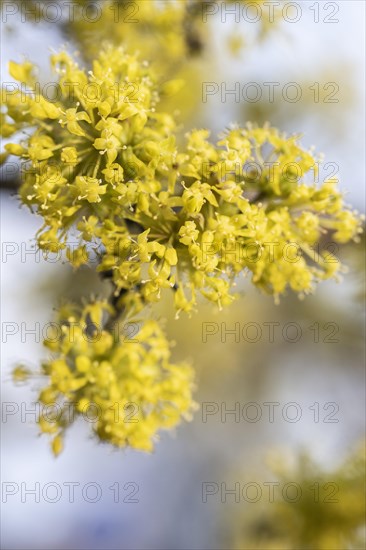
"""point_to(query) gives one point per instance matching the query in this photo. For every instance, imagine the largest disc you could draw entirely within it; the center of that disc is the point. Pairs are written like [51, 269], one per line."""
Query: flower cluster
[126, 388]
[160, 217]
[272, 234]
[100, 130]
[100, 160]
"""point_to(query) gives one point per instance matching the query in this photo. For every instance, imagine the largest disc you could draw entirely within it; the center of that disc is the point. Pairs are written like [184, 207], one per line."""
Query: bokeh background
[328, 375]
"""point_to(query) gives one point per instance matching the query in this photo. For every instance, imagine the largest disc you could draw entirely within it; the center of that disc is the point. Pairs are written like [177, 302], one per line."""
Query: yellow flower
[108, 144]
[71, 119]
[89, 189]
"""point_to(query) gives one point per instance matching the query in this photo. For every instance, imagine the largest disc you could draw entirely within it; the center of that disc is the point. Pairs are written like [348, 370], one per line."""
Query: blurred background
[292, 374]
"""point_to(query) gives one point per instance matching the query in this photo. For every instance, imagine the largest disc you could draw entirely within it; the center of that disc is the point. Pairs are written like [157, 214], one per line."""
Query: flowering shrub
[101, 159]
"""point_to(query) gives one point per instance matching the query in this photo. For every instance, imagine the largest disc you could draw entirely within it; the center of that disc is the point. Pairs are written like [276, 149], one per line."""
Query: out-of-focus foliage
[165, 31]
[168, 30]
[328, 515]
